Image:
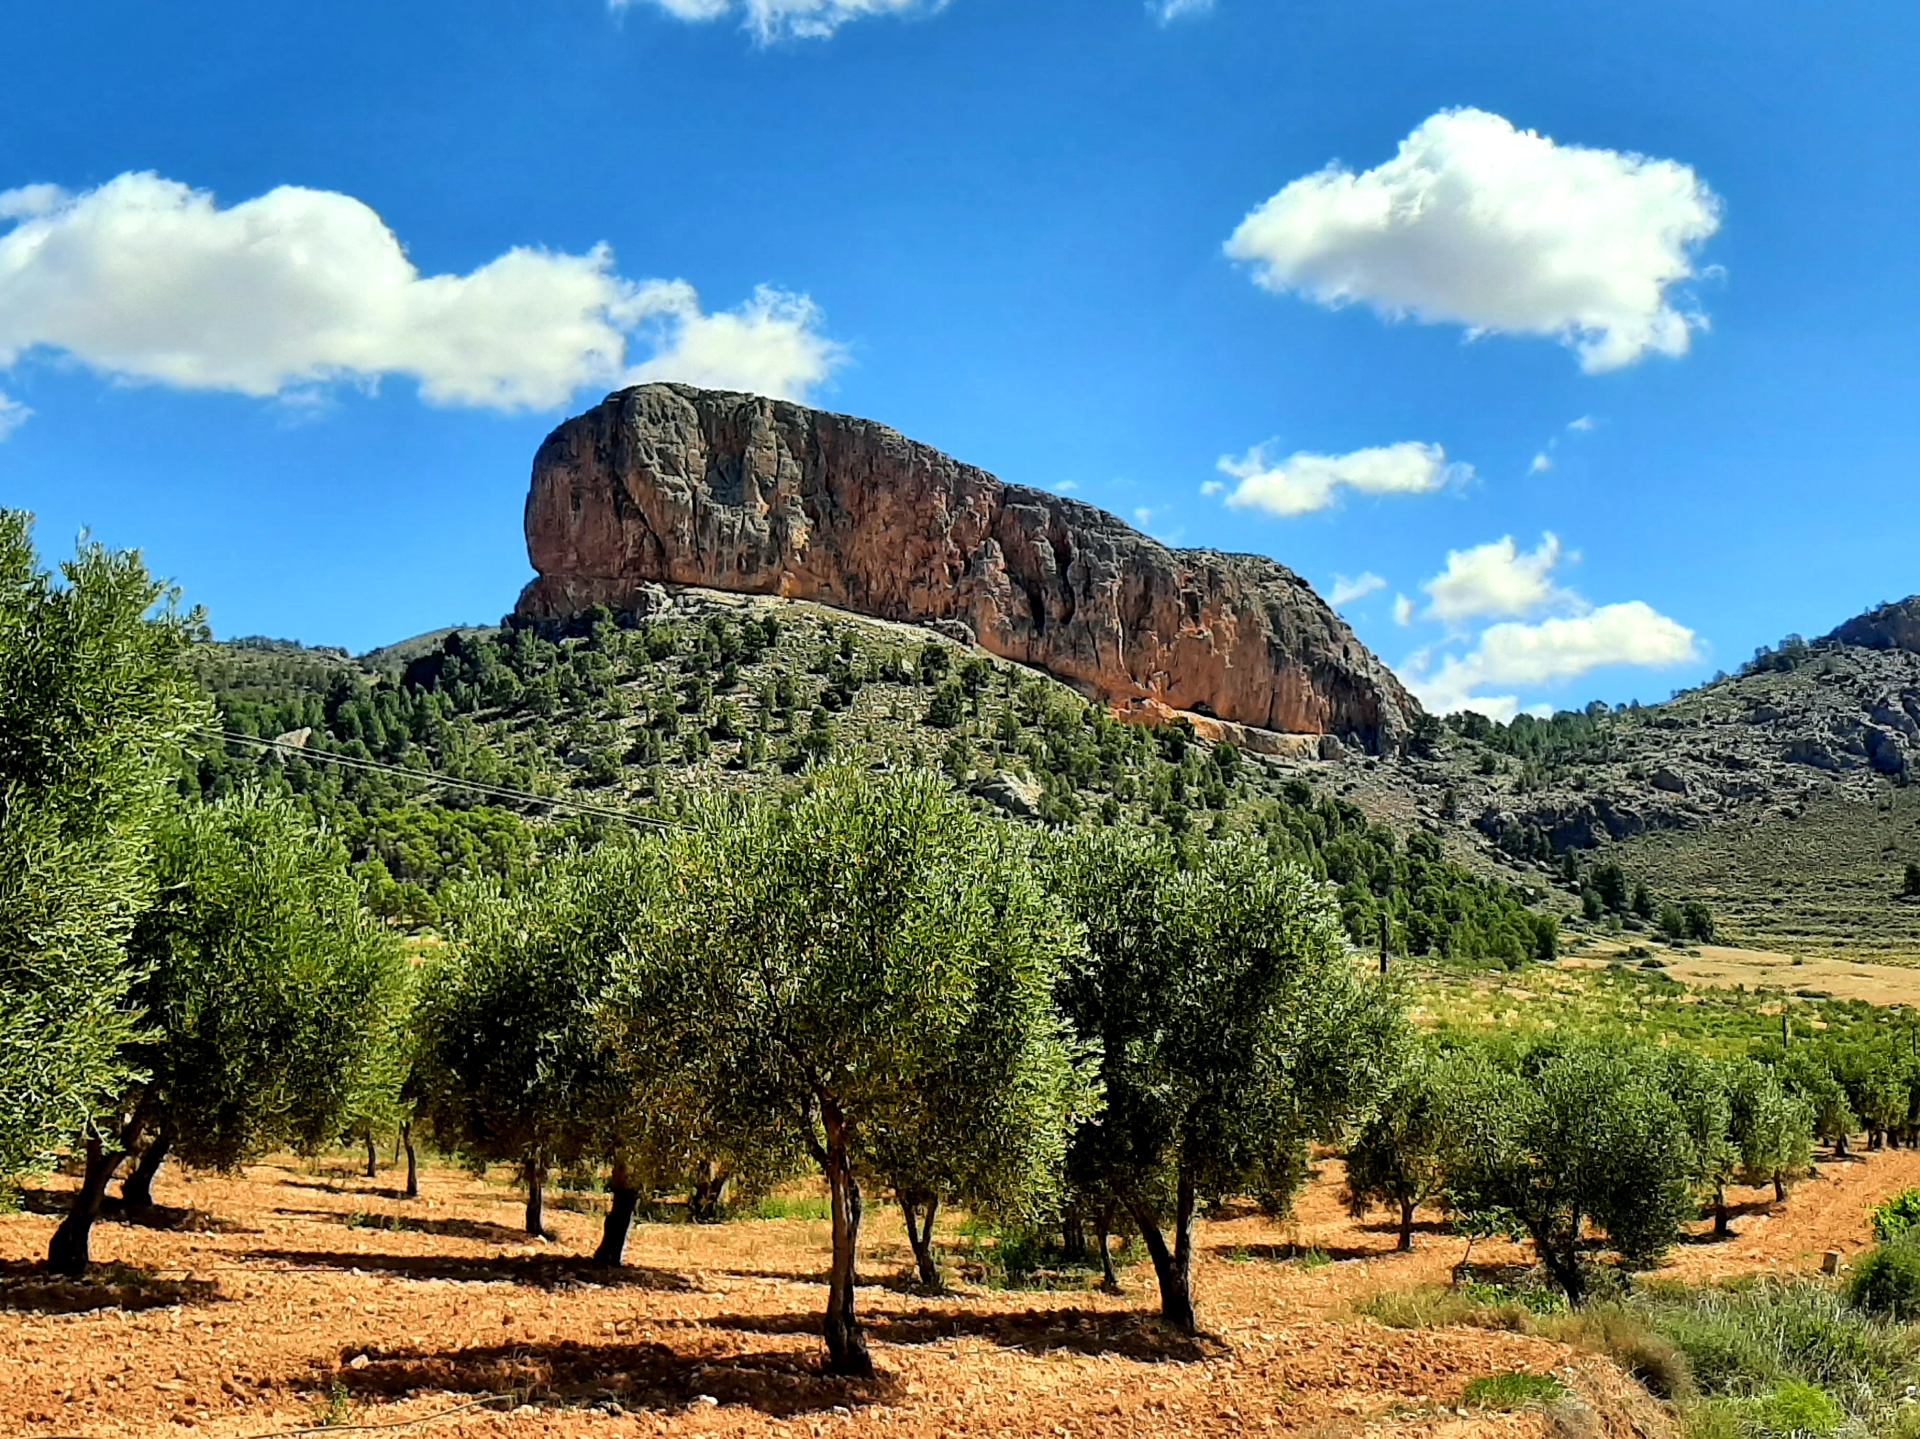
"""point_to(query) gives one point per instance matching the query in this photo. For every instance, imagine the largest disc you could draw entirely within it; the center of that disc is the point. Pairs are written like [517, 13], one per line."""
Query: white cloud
[1581, 426]
[1213, 487]
[1345, 591]
[1495, 579]
[13, 415]
[1542, 462]
[771, 20]
[145, 279]
[1551, 652]
[1168, 10]
[1402, 610]
[1476, 223]
[1303, 482]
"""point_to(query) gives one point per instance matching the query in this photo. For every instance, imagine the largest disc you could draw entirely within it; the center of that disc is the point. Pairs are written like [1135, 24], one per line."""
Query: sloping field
[294, 1296]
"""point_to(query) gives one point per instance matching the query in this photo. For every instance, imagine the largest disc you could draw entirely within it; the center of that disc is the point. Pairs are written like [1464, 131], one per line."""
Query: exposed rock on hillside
[675, 485]
[1890, 627]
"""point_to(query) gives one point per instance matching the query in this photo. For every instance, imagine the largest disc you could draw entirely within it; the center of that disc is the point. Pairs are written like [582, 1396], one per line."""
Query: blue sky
[1597, 346]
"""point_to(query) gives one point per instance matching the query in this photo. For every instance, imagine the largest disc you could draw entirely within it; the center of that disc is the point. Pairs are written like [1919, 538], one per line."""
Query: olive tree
[1233, 1025]
[1399, 1156]
[854, 966]
[511, 1065]
[1573, 1139]
[96, 705]
[1771, 1127]
[261, 982]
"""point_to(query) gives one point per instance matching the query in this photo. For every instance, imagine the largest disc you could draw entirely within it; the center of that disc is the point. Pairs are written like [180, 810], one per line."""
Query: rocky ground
[297, 1295]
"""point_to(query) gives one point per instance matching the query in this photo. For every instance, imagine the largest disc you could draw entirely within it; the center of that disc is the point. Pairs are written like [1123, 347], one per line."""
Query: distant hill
[1781, 796]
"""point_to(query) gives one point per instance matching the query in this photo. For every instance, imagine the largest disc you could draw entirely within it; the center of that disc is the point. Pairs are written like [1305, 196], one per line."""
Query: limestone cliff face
[675, 485]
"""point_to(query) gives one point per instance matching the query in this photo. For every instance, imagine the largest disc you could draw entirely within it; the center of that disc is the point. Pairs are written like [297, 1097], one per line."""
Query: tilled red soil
[293, 1297]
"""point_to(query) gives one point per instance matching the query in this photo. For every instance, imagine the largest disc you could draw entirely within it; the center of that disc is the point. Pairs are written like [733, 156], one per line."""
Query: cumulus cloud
[1480, 224]
[1345, 591]
[147, 280]
[1542, 462]
[1495, 579]
[1169, 10]
[13, 415]
[1550, 652]
[1304, 482]
[1402, 610]
[771, 20]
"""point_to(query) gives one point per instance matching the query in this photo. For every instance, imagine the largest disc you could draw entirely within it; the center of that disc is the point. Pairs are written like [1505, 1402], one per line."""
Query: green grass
[1513, 1391]
[1621, 1002]
[1755, 1359]
[788, 1206]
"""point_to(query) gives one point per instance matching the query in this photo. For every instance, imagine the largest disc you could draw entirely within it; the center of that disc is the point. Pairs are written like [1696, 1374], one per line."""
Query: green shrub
[1887, 1282]
[1795, 1407]
[1513, 1391]
[1896, 1216]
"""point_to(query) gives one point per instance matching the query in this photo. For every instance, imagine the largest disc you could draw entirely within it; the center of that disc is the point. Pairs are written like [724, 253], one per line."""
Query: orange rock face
[666, 484]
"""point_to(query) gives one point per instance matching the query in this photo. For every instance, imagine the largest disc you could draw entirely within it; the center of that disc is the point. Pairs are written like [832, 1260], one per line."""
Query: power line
[492, 791]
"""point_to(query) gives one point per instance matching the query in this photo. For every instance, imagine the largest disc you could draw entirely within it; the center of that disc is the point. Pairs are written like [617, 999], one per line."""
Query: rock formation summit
[667, 484]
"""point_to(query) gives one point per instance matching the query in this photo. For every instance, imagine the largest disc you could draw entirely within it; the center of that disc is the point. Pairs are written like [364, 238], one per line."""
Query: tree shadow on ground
[351, 1190]
[28, 1287]
[535, 1271]
[640, 1376]
[1735, 1212]
[57, 1203]
[481, 1230]
[1131, 1335]
[1283, 1253]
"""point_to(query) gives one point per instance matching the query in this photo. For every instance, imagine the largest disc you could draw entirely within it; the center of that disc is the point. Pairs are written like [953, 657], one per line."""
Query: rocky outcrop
[675, 485]
[1890, 627]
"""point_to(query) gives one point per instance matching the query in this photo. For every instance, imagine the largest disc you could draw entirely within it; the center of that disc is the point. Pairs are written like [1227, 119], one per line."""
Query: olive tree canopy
[855, 967]
[1233, 1026]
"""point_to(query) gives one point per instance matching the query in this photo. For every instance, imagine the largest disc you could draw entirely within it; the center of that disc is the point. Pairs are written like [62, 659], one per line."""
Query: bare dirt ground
[295, 1295]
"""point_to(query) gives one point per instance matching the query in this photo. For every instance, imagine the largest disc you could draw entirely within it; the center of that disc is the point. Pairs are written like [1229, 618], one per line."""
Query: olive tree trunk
[920, 1233]
[846, 1346]
[413, 1163]
[1173, 1268]
[612, 1252]
[709, 1188]
[1103, 1232]
[534, 1173]
[67, 1252]
[1406, 1225]
[373, 1159]
[136, 1190]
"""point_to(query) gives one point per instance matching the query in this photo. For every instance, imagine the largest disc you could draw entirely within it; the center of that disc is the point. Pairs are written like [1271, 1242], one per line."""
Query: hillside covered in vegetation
[724, 693]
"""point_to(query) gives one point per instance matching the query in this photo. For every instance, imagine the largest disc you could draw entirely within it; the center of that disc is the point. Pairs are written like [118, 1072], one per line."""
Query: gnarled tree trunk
[1173, 1268]
[136, 1190]
[1406, 1225]
[846, 1346]
[613, 1237]
[68, 1252]
[709, 1187]
[373, 1159]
